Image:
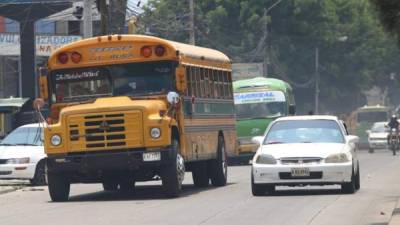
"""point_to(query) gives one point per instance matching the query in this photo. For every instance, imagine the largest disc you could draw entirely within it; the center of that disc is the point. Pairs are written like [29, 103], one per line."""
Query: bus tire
[200, 175]
[59, 187]
[126, 185]
[110, 185]
[218, 168]
[172, 175]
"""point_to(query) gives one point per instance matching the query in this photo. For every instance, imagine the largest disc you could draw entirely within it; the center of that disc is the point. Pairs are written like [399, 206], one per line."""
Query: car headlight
[337, 158]
[155, 132]
[18, 160]
[265, 159]
[55, 140]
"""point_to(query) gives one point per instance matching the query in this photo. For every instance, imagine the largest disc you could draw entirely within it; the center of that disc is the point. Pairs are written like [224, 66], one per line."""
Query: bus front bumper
[109, 161]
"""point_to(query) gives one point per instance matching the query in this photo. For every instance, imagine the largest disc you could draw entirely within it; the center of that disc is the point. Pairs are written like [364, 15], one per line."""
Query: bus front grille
[105, 131]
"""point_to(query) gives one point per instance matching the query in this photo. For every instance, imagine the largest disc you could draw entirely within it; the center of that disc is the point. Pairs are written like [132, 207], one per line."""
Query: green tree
[296, 29]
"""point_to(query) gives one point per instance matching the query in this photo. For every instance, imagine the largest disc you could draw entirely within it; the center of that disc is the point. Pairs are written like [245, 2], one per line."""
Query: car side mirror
[368, 131]
[352, 139]
[292, 109]
[257, 139]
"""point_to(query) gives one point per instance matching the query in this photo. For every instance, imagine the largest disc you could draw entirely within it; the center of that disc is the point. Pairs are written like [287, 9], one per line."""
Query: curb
[5, 191]
[395, 218]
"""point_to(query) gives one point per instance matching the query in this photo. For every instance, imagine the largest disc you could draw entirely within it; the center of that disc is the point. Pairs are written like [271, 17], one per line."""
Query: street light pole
[317, 77]
[316, 109]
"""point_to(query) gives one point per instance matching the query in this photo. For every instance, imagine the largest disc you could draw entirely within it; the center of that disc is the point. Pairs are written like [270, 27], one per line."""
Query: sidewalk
[395, 219]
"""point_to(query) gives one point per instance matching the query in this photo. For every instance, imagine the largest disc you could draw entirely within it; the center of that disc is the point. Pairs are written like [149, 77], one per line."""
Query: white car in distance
[378, 136]
[22, 155]
[305, 150]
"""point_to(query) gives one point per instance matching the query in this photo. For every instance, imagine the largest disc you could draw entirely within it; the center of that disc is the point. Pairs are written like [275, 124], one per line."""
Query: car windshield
[304, 131]
[379, 128]
[135, 79]
[24, 136]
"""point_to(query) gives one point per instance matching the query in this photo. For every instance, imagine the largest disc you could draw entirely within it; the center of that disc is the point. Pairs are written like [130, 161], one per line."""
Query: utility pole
[103, 4]
[316, 110]
[87, 19]
[192, 40]
[266, 48]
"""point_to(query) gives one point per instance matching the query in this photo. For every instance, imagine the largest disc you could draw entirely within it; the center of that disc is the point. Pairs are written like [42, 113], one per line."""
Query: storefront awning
[10, 105]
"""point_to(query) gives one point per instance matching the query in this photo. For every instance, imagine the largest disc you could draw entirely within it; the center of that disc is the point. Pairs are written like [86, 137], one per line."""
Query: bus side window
[188, 91]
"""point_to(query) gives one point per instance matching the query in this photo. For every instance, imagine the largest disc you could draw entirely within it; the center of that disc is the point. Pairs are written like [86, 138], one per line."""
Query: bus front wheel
[173, 174]
[59, 187]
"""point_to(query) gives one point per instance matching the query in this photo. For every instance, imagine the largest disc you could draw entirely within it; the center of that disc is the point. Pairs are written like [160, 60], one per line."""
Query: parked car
[305, 150]
[377, 136]
[22, 155]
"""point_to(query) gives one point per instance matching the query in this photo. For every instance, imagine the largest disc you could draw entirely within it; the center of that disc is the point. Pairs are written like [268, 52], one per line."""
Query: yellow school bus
[129, 108]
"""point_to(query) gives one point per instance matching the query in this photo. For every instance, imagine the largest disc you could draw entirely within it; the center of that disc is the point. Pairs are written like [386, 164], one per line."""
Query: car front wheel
[350, 187]
[257, 189]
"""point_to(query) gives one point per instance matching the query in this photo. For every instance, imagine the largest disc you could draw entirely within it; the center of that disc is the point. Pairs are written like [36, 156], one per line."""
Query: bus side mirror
[180, 77]
[43, 88]
[292, 109]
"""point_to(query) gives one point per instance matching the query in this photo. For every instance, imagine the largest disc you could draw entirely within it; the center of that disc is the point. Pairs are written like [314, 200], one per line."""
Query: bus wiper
[6, 144]
[25, 144]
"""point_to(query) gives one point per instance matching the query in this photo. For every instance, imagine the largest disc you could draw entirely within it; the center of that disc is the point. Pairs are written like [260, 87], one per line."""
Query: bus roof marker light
[109, 37]
[160, 50]
[119, 37]
[62, 58]
[146, 51]
[99, 39]
[76, 57]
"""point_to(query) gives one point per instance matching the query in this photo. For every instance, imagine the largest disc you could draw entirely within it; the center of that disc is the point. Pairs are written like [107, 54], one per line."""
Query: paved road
[232, 204]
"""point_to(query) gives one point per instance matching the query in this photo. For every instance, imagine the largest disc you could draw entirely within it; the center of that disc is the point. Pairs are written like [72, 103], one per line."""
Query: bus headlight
[55, 140]
[155, 132]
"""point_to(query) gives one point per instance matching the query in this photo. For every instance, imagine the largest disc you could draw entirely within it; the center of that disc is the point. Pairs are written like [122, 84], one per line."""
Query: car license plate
[300, 172]
[151, 156]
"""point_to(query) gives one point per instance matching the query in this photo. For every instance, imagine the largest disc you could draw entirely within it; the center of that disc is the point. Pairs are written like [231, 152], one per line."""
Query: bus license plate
[300, 172]
[151, 156]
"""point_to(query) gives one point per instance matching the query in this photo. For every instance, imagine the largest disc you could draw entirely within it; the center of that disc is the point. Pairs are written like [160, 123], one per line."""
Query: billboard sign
[45, 44]
[247, 70]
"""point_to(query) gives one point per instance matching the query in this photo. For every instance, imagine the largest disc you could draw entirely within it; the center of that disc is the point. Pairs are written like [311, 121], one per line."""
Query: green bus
[259, 101]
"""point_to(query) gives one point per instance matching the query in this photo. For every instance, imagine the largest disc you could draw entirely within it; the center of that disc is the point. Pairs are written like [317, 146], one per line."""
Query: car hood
[7, 152]
[378, 135]
[321, 150]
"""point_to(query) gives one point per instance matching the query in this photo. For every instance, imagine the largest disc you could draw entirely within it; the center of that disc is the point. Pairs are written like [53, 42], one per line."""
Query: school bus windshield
[134, 79]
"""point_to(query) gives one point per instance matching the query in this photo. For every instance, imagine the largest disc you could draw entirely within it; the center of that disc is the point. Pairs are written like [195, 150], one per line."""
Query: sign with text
[259, 97]
[10, 43]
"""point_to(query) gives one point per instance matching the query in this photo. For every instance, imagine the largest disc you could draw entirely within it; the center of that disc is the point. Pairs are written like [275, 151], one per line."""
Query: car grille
[300, 160]
[288, 176]
[105, 131]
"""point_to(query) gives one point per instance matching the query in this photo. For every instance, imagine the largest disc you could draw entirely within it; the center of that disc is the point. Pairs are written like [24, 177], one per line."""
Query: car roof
[308, 117]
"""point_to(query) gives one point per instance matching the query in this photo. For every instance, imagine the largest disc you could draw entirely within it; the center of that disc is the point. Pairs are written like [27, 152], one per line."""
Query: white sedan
[305, 150]
[22, 155]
